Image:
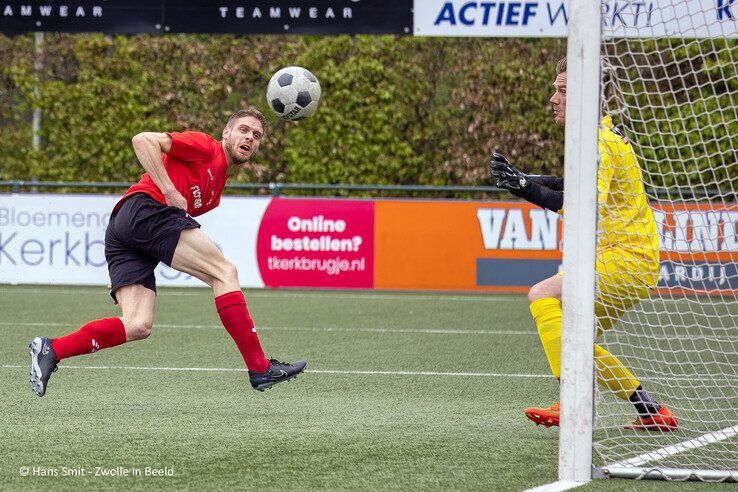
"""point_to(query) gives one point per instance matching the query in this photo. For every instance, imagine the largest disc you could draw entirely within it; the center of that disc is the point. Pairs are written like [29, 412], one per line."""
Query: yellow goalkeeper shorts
[624, 278]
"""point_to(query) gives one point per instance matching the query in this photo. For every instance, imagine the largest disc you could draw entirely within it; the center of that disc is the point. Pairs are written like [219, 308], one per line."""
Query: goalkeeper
[627, 260]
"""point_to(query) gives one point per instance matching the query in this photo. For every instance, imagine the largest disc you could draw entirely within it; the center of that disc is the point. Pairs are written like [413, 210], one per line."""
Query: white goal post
[666, 71]
[580, 173]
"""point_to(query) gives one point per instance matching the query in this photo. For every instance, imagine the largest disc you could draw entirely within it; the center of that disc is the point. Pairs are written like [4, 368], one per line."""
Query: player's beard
[236, 156]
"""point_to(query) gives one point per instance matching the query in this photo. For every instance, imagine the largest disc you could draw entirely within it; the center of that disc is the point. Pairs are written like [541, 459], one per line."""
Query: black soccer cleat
[43, 363]
[277, 372]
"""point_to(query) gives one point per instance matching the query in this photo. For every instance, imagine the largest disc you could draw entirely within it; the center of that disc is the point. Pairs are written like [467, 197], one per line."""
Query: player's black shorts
[142, 233]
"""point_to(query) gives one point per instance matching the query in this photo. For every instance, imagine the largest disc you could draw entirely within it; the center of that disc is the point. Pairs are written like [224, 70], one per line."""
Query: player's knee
[138, 328]
[536, 292]
[228, 273]
[543, 290]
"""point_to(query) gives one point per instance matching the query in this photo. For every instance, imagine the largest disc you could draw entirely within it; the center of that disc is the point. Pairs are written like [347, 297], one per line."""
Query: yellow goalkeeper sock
[547, 315]
[612, 374]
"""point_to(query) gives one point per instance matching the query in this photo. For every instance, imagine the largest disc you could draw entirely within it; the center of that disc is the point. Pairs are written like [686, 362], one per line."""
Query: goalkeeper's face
[558, 100]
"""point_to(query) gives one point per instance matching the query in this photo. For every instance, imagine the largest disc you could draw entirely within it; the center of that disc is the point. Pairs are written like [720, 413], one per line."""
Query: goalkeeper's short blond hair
[561, 66]
[609, 80]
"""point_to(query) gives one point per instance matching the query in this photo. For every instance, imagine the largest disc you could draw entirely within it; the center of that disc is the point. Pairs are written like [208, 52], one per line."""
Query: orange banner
[446, 245]
[698, 232]
[510, 246]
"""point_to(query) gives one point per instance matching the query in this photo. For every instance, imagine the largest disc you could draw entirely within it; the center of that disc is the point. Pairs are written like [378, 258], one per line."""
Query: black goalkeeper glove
[526, 187]
[506, 176]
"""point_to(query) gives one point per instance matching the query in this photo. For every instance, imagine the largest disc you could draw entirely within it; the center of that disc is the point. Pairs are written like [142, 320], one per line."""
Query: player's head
[558, 100]
[242, 134]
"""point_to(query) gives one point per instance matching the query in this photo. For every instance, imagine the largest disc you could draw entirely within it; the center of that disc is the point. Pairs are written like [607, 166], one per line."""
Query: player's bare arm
[149, 146]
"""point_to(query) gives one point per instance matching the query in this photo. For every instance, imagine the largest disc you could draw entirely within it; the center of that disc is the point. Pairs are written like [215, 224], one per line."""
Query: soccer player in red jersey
[185, 176]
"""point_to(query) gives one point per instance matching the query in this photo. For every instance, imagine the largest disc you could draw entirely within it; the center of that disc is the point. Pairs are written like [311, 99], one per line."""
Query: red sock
[95, 335]
[236, 319]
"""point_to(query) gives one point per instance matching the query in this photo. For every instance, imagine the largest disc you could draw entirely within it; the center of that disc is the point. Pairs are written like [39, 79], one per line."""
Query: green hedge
[395, 110]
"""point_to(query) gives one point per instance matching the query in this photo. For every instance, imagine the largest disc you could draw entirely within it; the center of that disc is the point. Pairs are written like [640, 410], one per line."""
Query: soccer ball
[293, 93]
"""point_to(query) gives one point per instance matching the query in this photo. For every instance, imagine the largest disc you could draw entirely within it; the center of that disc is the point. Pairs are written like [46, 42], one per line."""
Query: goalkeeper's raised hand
[506, 176]
[527, 187]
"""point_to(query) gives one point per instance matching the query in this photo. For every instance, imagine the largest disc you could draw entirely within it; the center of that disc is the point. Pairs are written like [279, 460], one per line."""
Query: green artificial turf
[403, 391]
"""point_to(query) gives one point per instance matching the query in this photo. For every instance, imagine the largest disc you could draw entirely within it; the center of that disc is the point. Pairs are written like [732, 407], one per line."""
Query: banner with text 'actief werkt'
[549, 18]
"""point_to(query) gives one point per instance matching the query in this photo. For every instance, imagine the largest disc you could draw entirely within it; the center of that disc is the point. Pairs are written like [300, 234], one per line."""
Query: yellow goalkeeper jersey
[625, 218]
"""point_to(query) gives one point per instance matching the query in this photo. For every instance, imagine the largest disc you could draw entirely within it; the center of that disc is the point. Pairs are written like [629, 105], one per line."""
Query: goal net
[670, 83]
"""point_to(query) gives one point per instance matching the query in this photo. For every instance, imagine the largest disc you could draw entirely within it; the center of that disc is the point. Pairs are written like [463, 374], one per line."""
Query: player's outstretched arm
[521, 185]
[149, 146]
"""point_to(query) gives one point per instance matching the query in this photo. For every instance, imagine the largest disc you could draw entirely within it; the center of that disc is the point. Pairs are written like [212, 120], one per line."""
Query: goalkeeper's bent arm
[553, 182]
[542, 190]
[540, 195]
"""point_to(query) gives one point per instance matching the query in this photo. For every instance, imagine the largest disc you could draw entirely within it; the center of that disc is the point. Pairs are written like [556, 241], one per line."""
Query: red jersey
[196, 164]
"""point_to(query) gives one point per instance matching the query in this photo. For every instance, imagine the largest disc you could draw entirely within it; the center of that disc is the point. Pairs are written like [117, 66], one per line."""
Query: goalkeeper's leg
[624, 279]
[611, 373]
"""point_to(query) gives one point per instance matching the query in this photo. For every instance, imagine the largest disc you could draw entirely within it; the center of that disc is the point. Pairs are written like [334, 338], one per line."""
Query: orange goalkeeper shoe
[664, 421]
[544, 416]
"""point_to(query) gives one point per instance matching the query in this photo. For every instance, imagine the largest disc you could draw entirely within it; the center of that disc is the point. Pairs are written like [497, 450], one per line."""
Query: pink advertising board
[317, 243]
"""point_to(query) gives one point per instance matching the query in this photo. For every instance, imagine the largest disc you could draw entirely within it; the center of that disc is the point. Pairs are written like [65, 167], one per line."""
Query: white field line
[285, 294]
[297, 328]
[321, 371]
[312, 371]
[290, 294]
[687, 378]
[666, 451]
[431, 331]
[557, 486]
